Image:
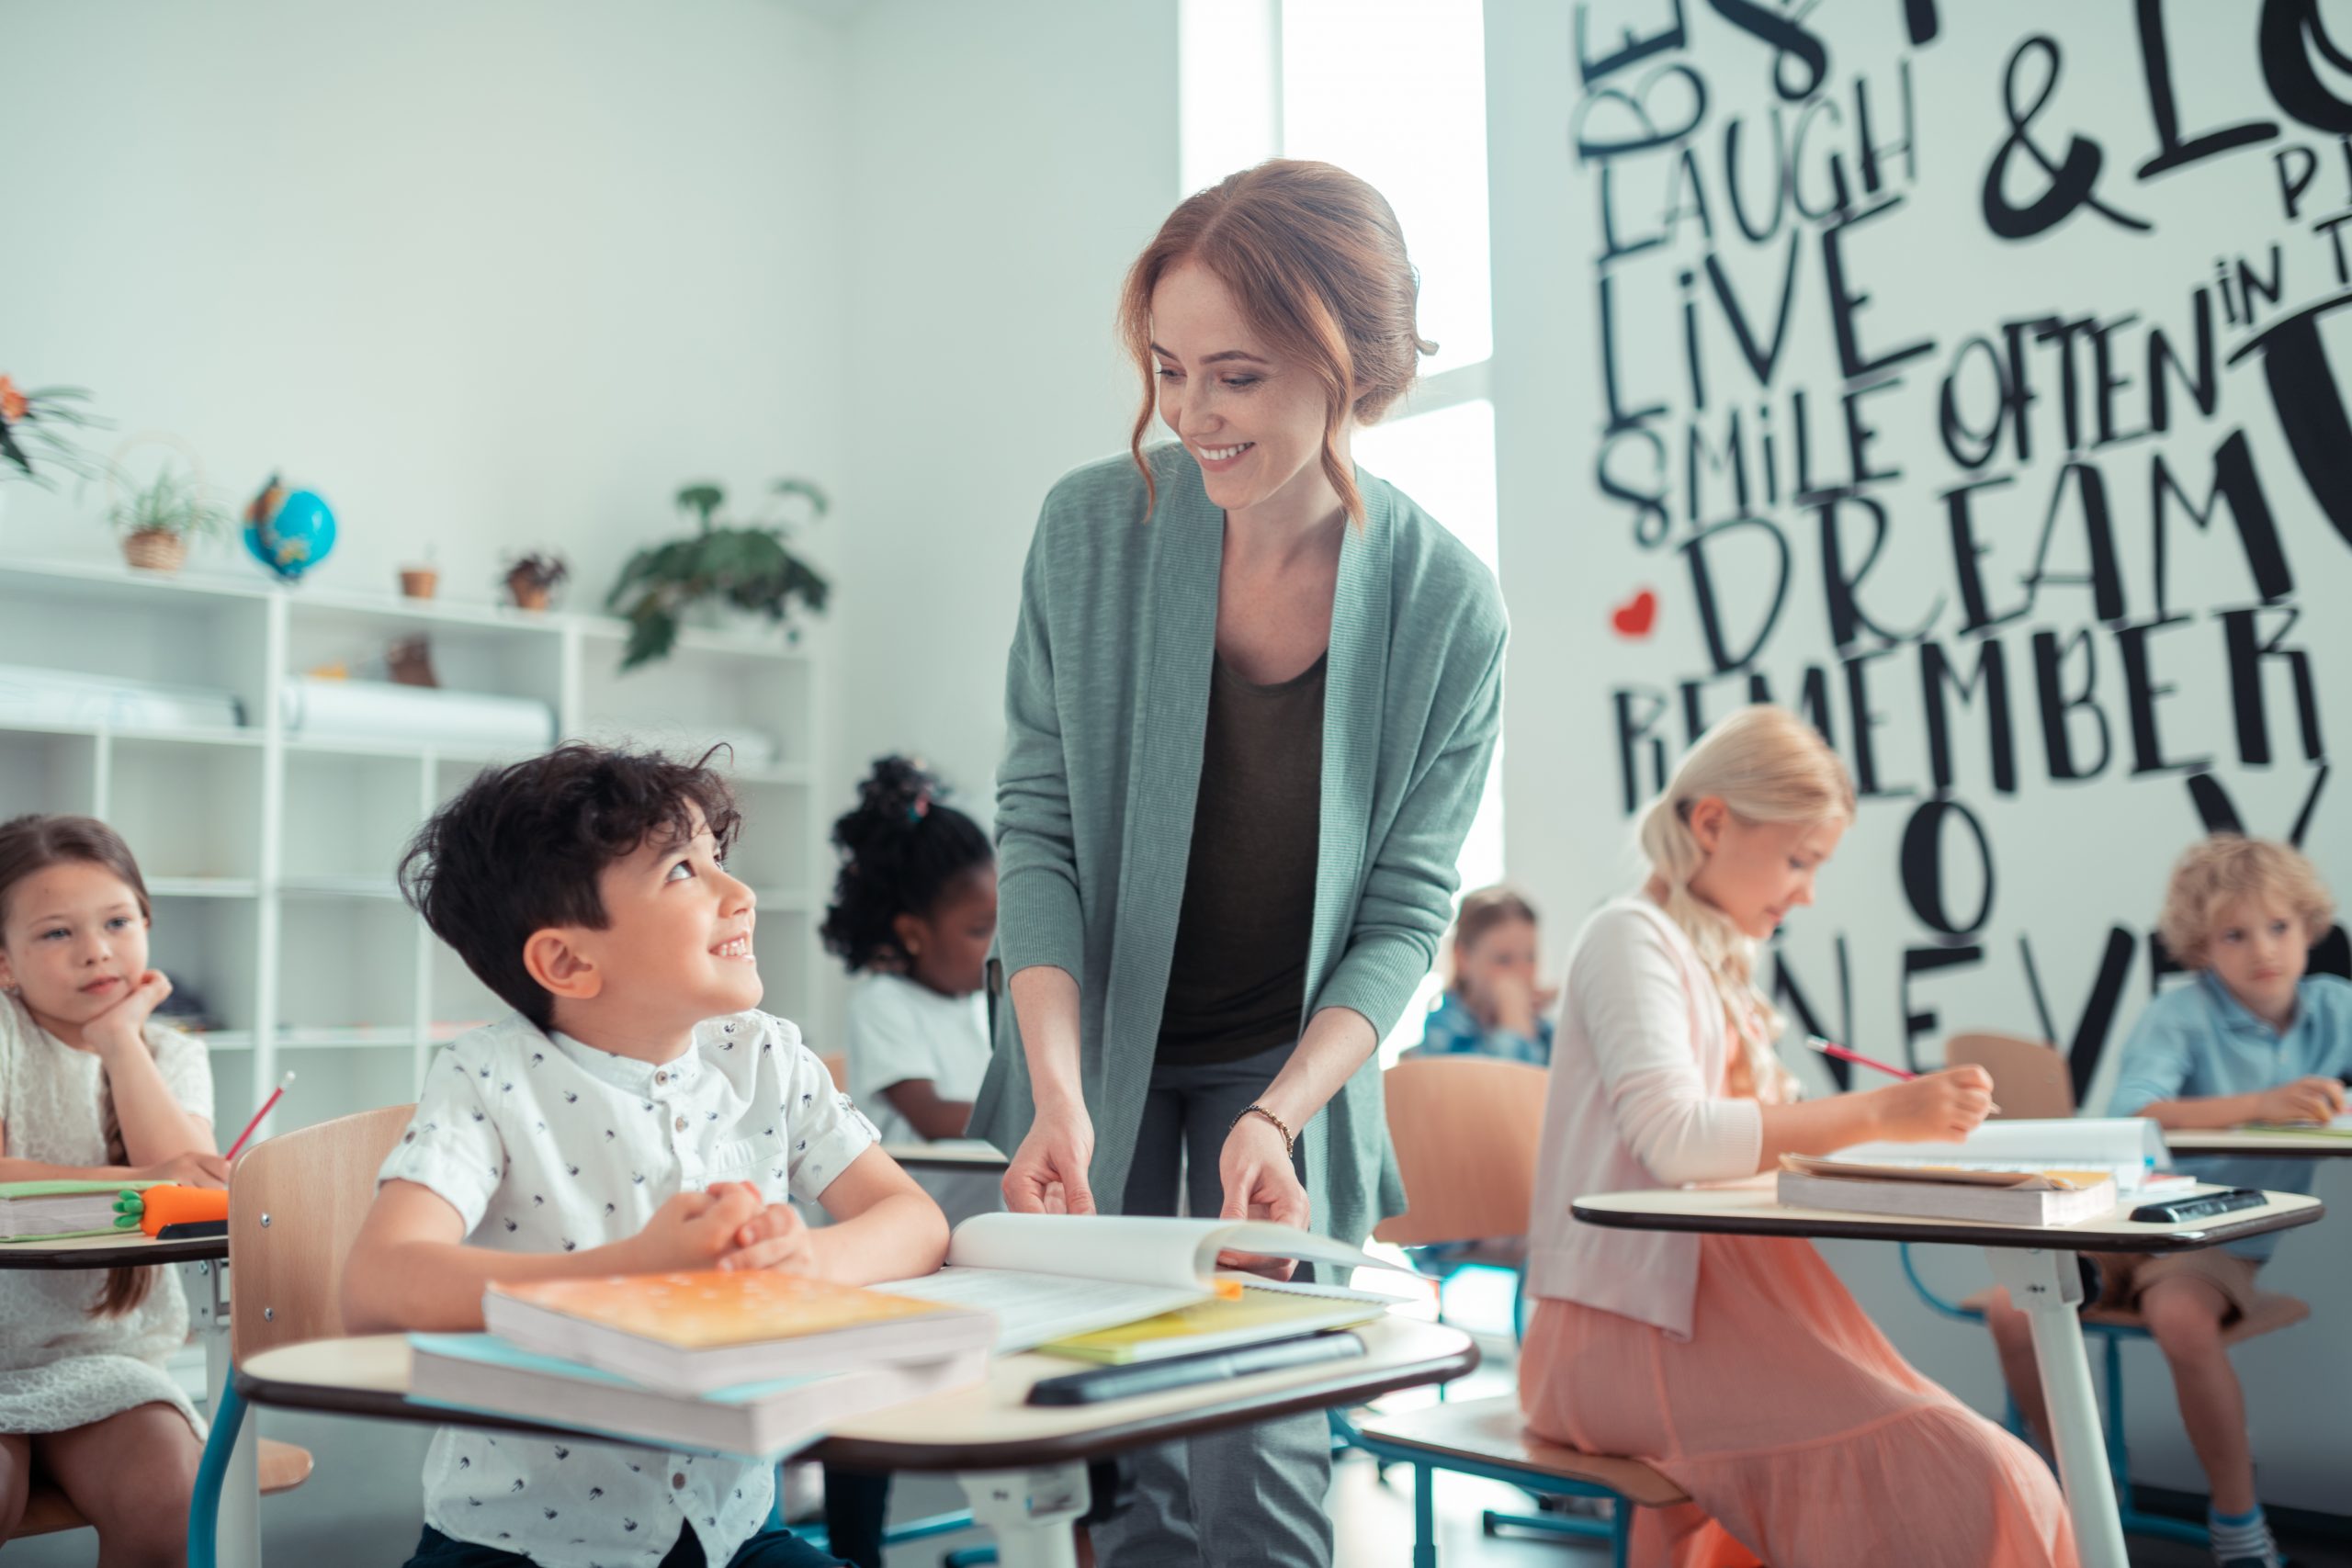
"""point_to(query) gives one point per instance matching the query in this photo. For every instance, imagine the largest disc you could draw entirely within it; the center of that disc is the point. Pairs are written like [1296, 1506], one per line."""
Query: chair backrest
[837, 1064]
[2029, 1077]
[295, 1205]
[1465, 1130]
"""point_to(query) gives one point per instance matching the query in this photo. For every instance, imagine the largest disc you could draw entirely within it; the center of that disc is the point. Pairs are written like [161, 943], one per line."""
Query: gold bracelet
[1289, 1141]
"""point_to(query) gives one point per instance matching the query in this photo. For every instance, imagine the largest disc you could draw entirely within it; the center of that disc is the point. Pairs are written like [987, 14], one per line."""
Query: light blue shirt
[1452, 1030]
[2199, 1041]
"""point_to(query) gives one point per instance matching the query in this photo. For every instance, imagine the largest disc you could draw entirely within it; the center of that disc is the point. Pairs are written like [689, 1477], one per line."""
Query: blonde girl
[1740, 1366]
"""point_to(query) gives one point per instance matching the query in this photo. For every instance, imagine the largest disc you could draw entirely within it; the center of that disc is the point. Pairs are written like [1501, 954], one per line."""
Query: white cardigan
[1636, 1101]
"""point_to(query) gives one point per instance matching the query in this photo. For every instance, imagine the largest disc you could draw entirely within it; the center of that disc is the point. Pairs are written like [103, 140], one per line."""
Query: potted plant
[745, 566]
[157, 520]
[34, 423]
[533, 579]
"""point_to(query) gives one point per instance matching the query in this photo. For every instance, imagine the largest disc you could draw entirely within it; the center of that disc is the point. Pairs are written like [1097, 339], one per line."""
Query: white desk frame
[2035, 1262]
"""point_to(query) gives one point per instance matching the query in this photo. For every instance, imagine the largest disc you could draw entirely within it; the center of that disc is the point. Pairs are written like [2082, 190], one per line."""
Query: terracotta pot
[419, 581]
[530, 595]
[155, 549]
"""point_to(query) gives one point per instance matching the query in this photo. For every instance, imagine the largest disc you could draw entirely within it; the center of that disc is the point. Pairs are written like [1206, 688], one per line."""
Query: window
[1394, 90]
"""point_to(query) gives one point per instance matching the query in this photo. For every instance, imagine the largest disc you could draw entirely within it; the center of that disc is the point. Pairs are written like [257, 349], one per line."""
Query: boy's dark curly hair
[900, 848]
[520, 848]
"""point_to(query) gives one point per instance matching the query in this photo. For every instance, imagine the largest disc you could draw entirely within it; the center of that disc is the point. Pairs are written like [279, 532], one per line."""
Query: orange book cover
[711, 1308]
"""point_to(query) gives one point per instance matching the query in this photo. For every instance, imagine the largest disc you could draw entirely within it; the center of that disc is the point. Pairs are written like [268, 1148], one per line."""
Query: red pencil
[1829, 1048]
[258, 1116]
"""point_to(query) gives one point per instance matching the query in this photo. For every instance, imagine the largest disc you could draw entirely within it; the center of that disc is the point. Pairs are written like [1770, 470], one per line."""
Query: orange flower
[12, 402]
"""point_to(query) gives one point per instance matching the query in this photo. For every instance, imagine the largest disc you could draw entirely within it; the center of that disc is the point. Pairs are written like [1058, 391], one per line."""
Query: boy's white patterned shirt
[545, 1145]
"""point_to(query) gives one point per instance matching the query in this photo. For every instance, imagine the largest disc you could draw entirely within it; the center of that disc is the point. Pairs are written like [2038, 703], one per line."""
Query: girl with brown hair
[93, 1090]
[1251, 698]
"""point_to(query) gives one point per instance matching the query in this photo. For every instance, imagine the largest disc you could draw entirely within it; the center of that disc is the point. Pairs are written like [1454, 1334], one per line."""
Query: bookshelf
[269, 853]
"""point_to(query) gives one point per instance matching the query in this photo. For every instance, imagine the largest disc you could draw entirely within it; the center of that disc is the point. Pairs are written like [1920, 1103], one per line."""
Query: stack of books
[755, 1362]
[764, 1363]
[2009, 1172]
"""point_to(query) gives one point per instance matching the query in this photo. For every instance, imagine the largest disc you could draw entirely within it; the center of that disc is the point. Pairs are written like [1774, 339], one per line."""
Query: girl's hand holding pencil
[1942, 1107]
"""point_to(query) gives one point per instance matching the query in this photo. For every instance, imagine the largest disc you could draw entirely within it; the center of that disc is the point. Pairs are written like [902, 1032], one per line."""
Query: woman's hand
[1260, 1183]
[1942, 1107]
[123, 1026]
[194, 1168]
[1048, 1173]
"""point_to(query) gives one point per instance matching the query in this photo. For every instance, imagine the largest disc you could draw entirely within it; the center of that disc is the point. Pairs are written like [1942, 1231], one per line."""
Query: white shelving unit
[270, 856]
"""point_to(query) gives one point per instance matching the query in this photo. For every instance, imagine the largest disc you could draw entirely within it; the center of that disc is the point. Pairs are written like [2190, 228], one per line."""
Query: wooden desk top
[127, 1249]
[2188, 1145]
[986, 1427]
[1752, 1211]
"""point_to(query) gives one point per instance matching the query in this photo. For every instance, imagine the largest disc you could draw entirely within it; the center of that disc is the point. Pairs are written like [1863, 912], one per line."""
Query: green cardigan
[1106, 701]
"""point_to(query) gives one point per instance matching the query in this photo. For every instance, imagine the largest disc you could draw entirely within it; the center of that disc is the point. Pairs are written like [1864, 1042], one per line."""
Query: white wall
[2066, 863]
[488, 278]
[1005, 163]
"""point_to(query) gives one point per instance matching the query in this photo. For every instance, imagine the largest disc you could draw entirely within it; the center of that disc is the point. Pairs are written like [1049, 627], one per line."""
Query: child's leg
[15, 1480]
[2013, 1342]
[131, 1475]
[2185, 1315]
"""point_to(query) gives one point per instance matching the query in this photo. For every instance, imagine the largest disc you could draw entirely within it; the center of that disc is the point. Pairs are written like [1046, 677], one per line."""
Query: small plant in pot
[532, 580]
[158, 519]
[744, 566]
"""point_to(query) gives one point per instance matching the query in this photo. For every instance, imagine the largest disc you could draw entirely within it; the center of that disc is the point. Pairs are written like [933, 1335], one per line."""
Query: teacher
[1252, 700]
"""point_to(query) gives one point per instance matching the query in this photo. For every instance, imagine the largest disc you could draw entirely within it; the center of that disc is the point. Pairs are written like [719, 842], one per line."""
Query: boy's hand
[777, 1237]
[2305, 1100]
[694, 1230]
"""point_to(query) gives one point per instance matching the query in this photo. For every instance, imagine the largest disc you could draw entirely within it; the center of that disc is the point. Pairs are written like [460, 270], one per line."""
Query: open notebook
[1056, 1276]
[2130, 1149]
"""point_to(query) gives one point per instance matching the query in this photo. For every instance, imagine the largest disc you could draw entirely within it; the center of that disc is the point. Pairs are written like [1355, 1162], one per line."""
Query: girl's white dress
[61, 1367]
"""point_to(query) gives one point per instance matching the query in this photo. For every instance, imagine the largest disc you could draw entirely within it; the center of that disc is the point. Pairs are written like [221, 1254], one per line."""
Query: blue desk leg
[1424, 1517]
[229, 1483]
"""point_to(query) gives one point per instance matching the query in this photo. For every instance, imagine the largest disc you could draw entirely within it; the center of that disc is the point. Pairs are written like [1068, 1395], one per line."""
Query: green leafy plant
[746, 565]
[33, 425]
[171, 502]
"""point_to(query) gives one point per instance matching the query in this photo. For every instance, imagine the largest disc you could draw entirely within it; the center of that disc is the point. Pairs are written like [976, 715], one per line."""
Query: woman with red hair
[1251, 699]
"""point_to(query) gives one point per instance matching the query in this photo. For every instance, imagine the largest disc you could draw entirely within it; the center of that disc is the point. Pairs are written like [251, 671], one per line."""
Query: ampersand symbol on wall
[2072, 180]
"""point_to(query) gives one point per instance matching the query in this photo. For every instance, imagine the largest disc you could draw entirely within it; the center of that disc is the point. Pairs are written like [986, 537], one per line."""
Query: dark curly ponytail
[900, 848]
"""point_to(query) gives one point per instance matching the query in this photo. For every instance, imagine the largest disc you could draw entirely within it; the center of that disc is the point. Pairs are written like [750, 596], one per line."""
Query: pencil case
[169, 1203]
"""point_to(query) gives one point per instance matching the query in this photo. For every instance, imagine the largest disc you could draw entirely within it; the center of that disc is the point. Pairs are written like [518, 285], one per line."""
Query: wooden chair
[295, 1205]
[1467, 1131]
[837, 1064]
[1487, 1438]
[2030, 1080]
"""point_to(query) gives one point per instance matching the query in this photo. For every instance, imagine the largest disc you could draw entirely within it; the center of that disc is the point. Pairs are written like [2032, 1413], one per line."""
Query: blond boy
[2252, 1038]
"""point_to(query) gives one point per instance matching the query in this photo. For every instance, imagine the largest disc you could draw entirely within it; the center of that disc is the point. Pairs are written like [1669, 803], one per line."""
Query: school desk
[1023, 1466]
[2037, 1264]
[203, 1266]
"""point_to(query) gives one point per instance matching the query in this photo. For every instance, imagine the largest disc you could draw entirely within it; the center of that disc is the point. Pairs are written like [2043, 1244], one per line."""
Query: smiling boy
[637, 1114]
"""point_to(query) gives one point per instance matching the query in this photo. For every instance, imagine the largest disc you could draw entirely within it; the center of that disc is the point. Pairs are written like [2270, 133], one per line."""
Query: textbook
[2003, 1197]
[1052, 1277]
[697, 1331]
[483, 1374]
[2131, 1149]
[1219, 1324]
[55, 1211]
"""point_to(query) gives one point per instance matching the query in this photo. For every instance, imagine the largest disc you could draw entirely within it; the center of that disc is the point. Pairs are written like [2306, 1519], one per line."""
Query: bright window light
[1228, 96]
[1395, 91]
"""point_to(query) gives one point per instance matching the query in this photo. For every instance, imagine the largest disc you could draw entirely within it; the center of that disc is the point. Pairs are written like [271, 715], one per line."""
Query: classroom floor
[361, 1510]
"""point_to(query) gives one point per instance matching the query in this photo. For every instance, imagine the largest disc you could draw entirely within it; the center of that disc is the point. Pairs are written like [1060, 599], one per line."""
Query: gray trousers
[1249, 1495]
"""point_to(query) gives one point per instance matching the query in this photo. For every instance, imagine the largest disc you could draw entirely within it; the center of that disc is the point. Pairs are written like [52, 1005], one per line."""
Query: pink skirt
[1803, 1439]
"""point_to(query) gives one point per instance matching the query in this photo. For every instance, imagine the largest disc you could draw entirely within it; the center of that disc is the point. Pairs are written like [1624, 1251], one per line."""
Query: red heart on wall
[1634, 617]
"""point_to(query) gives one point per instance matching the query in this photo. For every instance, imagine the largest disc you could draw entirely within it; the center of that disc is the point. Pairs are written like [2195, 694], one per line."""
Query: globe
[294, 537]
